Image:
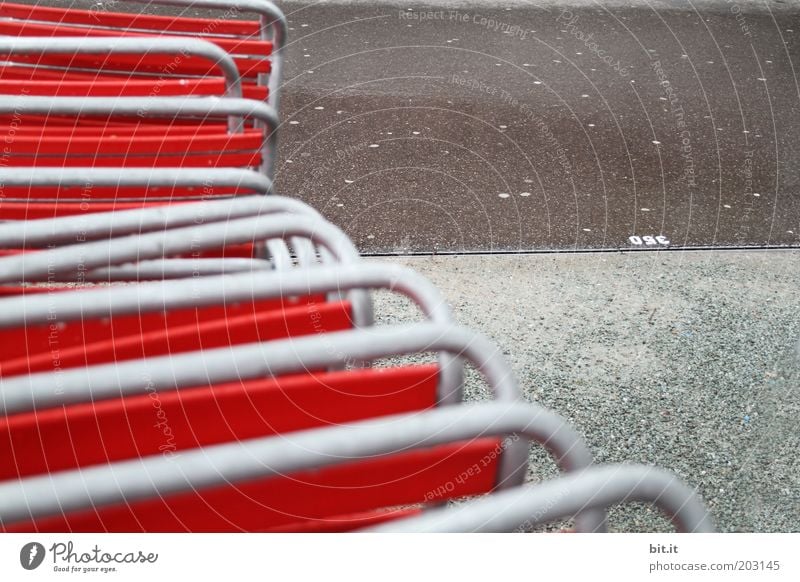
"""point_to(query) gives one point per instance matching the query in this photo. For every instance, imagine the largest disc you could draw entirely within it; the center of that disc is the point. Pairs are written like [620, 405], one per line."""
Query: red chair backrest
[330, 499]
[52, 347]
[238, 38]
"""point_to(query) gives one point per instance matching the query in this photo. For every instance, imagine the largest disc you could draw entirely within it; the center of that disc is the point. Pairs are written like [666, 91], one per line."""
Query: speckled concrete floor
[687, 360]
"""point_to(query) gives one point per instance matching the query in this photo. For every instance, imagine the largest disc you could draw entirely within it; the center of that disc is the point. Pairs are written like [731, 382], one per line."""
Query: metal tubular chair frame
[158, 296]
[70, 229]
[114, 46]
[274, 27]
[220, 464]
[595, 488]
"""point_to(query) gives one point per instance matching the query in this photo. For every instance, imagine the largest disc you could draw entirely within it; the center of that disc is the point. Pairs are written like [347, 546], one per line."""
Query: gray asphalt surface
[473, 126]
[463, 126]
[545, 127]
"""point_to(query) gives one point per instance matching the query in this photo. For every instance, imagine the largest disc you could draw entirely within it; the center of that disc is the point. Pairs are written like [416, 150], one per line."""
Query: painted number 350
[648, 240]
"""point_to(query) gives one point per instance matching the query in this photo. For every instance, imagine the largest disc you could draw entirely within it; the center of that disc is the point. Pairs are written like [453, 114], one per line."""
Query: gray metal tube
[43, 233]
[137, 46]
[164, 269]
[43, 265]
[122, 177]
[254, 360]
[598, 487]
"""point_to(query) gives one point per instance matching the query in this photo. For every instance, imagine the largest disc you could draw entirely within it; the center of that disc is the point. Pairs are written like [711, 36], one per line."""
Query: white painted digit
[649, 240]
[635, 240]
[662, 239]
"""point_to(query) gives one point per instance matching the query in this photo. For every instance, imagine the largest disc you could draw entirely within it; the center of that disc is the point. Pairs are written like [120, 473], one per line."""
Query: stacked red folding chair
[186, 351]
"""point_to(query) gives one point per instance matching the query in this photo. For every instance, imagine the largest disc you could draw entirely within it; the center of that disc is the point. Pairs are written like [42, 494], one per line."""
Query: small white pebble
[415, 132]
[293, 122]
[591, 125]
[656, 142]
[584, 96]
[504, 195]
[645, 210]
[319, 108]
[348, 181]
[525, 194]
[537, 82]
[373, 145]
[587, 230]
[503, 127]
[726, 205]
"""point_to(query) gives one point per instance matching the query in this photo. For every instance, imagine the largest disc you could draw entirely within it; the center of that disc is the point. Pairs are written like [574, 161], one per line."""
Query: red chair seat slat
[42, 128]
[81, 435]
[251, 139]
[217, 160]
[129, 21]
[233, 46]
[39, 348]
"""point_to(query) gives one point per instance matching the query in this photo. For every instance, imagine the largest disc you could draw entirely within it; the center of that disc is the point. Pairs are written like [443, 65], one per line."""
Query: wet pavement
[456, 130]
[475, 129]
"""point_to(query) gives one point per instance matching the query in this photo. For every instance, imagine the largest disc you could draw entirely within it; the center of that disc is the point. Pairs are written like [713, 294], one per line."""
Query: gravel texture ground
[687, 360]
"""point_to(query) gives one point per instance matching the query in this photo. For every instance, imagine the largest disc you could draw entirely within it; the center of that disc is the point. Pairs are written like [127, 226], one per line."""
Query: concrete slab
[688, 360]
